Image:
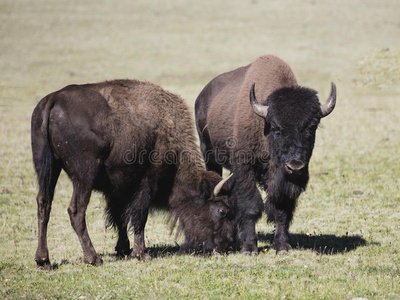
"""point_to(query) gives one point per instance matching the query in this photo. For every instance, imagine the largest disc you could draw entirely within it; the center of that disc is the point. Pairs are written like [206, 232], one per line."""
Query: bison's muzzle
[294, 168]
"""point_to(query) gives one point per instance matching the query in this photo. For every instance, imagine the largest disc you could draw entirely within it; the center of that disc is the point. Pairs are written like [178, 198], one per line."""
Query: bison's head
[208, 225]
[292, 115]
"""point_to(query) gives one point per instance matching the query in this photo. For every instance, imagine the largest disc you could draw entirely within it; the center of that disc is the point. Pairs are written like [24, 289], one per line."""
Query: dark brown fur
[134, 142]
[256, 149]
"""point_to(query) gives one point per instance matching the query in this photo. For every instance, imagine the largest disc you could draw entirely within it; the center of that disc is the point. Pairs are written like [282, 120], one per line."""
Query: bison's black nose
[294, 167]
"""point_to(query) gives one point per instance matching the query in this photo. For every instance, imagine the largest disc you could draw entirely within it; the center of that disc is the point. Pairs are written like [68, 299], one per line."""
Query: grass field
[346, 229]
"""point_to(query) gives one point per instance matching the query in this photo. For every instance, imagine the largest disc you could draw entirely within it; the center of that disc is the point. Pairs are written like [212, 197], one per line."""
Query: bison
[268, 143]
[134, 142]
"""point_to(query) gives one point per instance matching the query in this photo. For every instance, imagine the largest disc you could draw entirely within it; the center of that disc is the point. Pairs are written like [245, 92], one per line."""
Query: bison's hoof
[216, 252]
[145, 257]
[43, 264]
[249, 253]
[142, 257]
[94, 261]
[249, 249]
[123, 250]
[282, 248]
[122, 254]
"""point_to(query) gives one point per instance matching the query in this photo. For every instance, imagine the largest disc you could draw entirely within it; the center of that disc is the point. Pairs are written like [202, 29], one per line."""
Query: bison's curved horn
[330, 104]
[259, 110]
[220, 184]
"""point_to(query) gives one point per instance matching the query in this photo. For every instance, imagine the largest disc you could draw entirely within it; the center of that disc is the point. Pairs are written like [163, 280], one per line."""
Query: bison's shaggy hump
[134, 142]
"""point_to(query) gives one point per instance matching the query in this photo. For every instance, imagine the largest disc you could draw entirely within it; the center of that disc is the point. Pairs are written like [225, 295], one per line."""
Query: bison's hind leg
[77, 214]
[83, 182]
[43, 213]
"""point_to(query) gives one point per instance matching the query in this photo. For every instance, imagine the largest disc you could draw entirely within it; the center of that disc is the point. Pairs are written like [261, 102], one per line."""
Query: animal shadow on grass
[56, 266]
[329, 244]
[155, 251]
[163, 250]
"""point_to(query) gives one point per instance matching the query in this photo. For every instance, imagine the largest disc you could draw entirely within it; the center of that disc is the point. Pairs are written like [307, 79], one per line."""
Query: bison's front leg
[116, 206]
[248, 208]
[123, 245]
[139, 247]
[140, 210]
[281, 214]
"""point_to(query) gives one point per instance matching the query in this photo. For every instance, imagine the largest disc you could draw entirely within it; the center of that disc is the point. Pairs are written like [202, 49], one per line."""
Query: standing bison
[268, 143]
[134, 142]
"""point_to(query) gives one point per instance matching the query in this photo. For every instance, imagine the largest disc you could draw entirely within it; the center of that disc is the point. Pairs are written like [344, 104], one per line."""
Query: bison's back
[118, 125]
[224, 105]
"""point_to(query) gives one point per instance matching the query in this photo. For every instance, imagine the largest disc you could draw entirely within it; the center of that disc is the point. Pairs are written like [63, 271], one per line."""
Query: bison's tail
[43, 157]
[46, 173]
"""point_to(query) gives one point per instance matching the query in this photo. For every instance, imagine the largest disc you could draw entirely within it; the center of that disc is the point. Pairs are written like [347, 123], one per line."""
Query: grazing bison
[268, 143]
[134, 142]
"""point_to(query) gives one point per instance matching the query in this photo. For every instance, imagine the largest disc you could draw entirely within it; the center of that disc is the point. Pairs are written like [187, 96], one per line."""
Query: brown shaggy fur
[134, 142]
[273, 151]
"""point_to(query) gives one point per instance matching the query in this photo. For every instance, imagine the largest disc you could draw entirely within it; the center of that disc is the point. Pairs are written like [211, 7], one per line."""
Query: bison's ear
[205, 189]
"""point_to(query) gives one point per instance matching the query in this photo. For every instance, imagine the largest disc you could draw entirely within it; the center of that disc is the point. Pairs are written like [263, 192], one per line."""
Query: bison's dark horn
[259, 110]
[330, 104]
[220, 184]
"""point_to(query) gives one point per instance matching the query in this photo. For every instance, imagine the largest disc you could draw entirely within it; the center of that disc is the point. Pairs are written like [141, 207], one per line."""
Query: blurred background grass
[181, 45]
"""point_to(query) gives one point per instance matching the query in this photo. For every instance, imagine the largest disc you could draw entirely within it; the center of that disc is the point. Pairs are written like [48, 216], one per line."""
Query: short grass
[347, 225]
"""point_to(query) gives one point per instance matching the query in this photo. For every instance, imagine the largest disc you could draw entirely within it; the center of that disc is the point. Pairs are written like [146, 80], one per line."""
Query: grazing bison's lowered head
[292, 115]
[210, 226]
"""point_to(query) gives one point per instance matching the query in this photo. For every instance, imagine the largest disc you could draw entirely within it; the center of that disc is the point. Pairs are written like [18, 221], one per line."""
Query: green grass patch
[346, 227]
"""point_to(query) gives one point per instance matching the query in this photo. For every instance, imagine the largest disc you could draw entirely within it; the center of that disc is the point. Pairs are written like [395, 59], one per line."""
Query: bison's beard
[282, 188]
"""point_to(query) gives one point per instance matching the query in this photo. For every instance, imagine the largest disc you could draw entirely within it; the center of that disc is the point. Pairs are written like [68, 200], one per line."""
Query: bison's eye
[276, 130]
[222, 212]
